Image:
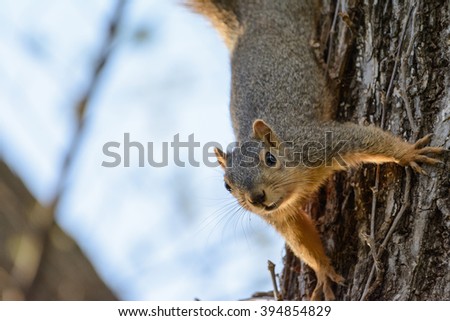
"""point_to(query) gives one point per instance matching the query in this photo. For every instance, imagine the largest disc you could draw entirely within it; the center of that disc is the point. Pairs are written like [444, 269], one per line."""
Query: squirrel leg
[318, 290]
[304, 240]
[369, 144]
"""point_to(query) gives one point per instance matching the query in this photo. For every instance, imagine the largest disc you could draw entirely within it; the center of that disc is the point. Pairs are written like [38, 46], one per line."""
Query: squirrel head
[257, 172]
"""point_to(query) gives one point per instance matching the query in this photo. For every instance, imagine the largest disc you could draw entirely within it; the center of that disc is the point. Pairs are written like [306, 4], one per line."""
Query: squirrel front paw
[416, 153]
[323, 285]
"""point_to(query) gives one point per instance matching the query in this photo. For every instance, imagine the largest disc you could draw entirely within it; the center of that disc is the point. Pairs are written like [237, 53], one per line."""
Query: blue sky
[152, 233]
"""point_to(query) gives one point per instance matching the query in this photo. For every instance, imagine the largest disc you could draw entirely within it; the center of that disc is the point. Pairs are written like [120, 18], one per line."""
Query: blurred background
[75, 75]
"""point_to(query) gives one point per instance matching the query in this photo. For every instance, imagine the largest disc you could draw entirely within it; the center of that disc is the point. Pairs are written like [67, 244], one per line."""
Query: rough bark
[386, 228]
[63, 273]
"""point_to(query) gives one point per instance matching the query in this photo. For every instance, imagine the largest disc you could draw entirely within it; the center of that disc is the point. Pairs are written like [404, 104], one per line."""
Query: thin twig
[406, 203]
[276, 293]
[403, 77]
[366, 287]
[330, 37]
[376, 253]
[394, 70]
[374, 202]
[404, 95]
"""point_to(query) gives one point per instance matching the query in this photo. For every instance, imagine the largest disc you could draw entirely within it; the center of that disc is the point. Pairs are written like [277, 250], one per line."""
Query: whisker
[234, 217]
[217, 217]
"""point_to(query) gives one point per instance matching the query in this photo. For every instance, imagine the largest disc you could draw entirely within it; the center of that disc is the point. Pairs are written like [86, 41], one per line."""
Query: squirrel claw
[417, 168]
[417, 154]
[323, 286]
[423, 141]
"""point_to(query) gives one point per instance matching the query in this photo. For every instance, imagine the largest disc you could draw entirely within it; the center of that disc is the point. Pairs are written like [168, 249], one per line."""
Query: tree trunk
[386, 228]
[63, 272]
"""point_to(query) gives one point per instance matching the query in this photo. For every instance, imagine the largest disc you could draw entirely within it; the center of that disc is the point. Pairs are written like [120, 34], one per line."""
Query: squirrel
[287, 144]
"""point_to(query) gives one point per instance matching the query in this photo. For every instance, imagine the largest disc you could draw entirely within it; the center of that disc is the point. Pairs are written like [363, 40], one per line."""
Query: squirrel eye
[227, 187]
[271, 160]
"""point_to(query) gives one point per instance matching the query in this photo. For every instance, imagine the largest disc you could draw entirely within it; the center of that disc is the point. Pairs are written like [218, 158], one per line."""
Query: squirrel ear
[221, 157]
[263, 132]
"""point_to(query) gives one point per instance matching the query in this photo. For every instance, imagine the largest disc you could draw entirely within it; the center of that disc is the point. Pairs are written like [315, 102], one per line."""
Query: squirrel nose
[257, 198]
